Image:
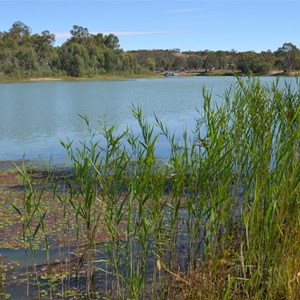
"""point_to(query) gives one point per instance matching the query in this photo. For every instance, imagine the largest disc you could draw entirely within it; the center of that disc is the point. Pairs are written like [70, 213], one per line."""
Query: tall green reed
[223, 183]
[266, 144]
[224, 205]
[33, 221]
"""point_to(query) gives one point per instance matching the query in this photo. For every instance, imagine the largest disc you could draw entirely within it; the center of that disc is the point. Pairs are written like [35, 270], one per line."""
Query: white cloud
[159, 32]
[66, 35]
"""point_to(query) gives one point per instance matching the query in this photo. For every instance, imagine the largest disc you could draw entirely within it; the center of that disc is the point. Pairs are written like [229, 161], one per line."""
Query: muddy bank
[11, 164]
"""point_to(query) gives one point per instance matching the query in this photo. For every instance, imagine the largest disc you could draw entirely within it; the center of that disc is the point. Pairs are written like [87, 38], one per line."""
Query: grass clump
[219, 219]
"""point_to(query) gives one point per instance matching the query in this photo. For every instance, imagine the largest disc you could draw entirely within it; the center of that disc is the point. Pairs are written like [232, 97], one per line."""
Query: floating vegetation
[219, 219]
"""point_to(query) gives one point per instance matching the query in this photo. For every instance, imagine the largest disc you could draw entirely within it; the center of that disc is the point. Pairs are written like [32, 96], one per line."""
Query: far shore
[67, 78]
[44, 79]
[157, 74]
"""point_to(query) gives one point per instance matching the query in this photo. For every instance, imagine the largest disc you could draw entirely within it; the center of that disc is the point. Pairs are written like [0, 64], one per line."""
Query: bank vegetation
[25, 55]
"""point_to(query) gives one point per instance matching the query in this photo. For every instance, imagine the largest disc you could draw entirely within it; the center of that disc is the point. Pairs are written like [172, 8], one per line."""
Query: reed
[219, 219]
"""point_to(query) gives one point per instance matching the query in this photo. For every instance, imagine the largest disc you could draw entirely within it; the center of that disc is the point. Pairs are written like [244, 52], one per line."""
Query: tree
[178, 63]
[27, 60]
[7, 61]
[112, 41]
[210, 61]
[221, 60]
[46, 53]
[165, 64]
[85, 54]
[74, 59]
[129, 62]
[232, 58]
[110, 60]
[96, 60]
[79, 33]
[150, 63]
[20, 32]
[99, 40]
[287, 54]
[251, 62]
[194, 62]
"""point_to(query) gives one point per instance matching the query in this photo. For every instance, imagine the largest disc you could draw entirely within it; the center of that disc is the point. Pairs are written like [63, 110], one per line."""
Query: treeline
[23, 54]
[284, 59]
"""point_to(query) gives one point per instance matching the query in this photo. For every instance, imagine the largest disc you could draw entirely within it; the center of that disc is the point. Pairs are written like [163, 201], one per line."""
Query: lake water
[36, 115]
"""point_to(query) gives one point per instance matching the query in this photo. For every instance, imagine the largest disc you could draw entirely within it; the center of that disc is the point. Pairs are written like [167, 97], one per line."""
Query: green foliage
[287, 55]
[150, 63]
[219, 218]
[250, 62]
[194, 62]
[23, 54]
[84, 54]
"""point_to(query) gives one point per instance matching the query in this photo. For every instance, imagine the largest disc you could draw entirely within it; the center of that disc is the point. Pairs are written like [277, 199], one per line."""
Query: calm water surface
[36, 115]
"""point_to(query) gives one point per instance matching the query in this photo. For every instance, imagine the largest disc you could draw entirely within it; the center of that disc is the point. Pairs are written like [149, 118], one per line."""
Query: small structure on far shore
[170, 74]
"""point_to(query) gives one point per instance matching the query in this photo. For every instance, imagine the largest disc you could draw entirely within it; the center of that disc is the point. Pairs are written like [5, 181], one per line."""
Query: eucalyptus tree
[129, 63]
[112, 41]
[221, 59]
[20, 33]
[79, 33]
[210, 60]
[150, 63]
[28, 61]
[251, 62]
[73, 59]
[194, 62]
[47, 55]
[179, 63]
[287, 54]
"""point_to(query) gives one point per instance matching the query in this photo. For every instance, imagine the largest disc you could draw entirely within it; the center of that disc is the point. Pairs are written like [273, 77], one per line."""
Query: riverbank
[200, 72]
[11, 164]
[67, 78]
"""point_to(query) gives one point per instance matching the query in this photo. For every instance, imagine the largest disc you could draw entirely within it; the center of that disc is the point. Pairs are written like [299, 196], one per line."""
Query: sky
[242, 25]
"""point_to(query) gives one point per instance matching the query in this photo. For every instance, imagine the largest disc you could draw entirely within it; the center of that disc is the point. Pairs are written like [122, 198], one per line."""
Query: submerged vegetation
[25, 55]
[219, 219]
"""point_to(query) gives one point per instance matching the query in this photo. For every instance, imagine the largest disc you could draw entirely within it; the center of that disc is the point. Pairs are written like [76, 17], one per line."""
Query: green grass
[218, 220]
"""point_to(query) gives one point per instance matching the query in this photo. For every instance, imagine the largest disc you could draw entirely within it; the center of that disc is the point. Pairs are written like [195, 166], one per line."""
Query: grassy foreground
[218, 220]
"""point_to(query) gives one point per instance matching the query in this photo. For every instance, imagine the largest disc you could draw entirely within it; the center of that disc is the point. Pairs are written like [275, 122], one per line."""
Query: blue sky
[242, 25]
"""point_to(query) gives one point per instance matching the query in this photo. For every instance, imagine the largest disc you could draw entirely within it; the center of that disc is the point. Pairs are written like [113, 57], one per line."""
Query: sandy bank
[44, 79]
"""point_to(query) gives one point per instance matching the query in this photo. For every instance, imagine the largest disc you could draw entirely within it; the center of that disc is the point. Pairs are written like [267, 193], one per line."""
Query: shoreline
[222, 73]
[66, 78]
[44, 79]
[6, 165]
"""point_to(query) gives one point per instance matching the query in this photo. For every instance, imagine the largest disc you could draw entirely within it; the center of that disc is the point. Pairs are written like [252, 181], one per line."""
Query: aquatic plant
[219, 218]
